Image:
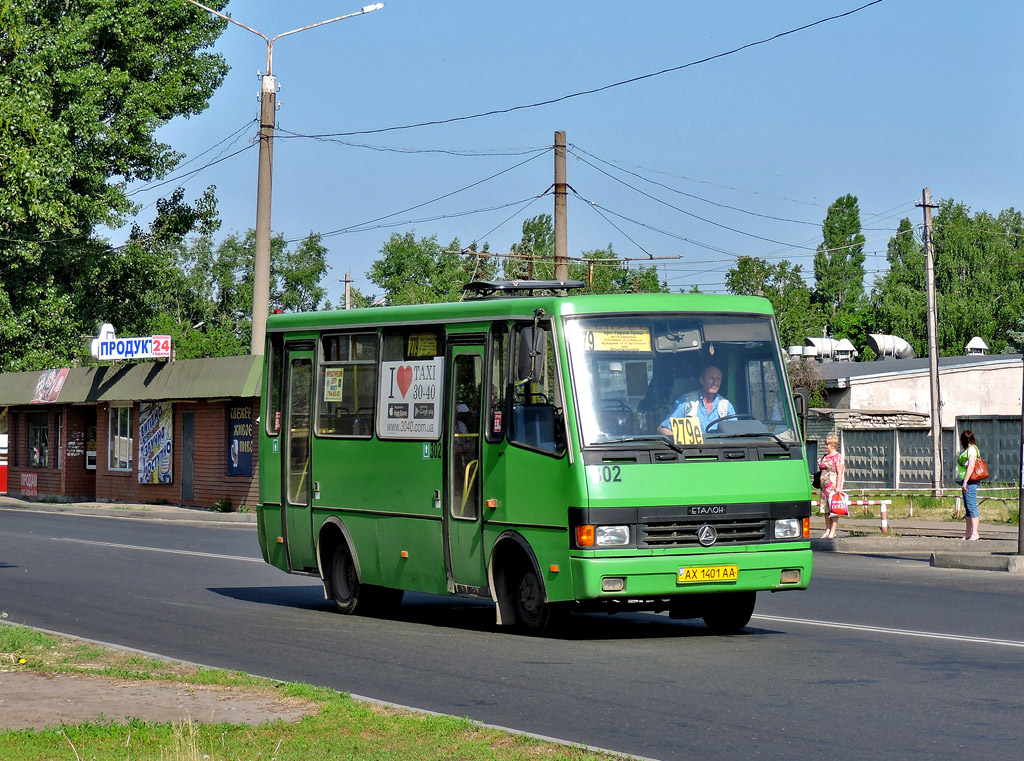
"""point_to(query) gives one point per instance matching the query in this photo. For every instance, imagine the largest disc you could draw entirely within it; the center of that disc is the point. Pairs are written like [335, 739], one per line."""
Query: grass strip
[335, 727]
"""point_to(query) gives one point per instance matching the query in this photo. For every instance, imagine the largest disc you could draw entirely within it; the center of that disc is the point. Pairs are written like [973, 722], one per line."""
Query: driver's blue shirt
[691, 405]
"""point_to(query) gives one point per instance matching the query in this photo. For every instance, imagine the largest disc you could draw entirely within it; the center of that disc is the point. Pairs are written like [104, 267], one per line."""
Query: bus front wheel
[534, 615]
[729, 612]
[344, 580]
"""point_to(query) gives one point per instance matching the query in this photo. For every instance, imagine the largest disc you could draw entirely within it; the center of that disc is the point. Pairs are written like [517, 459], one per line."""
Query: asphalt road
[883, 658]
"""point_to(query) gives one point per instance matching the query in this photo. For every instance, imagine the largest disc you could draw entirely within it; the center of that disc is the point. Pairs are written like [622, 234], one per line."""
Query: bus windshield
[688, 380]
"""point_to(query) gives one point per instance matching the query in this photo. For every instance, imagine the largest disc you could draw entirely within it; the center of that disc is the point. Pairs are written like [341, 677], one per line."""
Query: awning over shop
[215, 378]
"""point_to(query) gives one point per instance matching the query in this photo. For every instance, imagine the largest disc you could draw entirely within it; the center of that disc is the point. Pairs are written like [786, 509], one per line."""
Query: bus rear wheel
[729, 612]
[345, 585]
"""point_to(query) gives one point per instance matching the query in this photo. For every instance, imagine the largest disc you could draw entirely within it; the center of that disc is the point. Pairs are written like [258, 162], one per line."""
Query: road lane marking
[159, 549]
[887, 630]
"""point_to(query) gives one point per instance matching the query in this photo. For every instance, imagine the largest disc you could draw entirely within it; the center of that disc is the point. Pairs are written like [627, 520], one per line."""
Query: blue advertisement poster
[156, 442]
[240, 440]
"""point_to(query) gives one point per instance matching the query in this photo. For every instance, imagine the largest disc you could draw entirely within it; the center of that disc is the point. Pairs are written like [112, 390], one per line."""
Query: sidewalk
[938, 540]
[129, 510]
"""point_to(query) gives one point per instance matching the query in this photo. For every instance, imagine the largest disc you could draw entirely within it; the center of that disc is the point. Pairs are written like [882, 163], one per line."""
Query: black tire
[729, 612]
[534, 615]
[345, 585]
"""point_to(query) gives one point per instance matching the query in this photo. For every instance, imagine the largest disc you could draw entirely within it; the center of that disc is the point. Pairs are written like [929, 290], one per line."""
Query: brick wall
[63, 478]
[210, 482]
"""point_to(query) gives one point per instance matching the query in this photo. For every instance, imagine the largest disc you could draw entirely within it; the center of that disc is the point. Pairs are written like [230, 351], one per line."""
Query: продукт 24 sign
[108, 347]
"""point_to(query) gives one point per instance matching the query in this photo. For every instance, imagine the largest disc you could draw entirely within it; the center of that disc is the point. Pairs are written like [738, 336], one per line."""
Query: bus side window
[275, 375]
[497, 411]
[537, 400]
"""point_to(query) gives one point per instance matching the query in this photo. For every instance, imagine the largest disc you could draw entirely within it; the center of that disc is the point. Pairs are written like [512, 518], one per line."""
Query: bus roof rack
[487, 288]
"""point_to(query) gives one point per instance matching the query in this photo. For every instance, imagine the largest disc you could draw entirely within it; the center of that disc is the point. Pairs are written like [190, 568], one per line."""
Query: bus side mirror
[532, 354]
[801, 400]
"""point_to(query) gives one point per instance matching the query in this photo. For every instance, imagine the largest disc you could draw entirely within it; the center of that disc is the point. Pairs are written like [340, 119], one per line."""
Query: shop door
[188, 454]
[297, 460]
[464, 553]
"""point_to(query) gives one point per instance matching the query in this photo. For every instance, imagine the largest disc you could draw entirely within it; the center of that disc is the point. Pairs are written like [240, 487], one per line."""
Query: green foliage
[205, 304]
[839, 270]
[979, 266]
[783, 285]
[85, 86]
[899, 297]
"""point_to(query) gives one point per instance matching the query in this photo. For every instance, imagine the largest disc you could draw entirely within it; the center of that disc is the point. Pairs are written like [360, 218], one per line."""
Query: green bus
[536, 448]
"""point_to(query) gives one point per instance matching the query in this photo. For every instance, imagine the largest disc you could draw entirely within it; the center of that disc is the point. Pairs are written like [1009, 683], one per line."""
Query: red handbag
[980, 472]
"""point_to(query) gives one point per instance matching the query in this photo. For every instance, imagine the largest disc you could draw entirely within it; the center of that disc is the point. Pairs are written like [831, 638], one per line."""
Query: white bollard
[885, 524]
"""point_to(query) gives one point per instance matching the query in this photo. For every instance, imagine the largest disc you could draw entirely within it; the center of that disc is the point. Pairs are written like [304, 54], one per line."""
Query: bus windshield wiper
[645, 437]
[750, 434]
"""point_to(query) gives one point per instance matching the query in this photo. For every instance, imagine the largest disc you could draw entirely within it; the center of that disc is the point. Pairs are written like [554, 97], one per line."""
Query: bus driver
[707, 405]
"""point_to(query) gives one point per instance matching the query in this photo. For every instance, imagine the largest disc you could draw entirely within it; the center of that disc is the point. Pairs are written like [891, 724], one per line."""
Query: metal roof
[838, 372]
[215, 378]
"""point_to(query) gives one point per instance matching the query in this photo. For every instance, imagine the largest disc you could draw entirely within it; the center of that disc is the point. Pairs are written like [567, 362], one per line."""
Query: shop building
[180, 432]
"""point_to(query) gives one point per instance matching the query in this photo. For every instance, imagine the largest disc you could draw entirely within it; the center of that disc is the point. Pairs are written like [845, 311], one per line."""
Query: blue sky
[740, 155]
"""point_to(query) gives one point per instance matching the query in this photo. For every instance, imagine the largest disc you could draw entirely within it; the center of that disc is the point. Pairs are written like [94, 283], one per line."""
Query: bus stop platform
[940, 541]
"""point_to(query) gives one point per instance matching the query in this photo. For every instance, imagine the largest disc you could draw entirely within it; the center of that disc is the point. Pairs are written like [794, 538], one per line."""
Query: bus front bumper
[597, 575]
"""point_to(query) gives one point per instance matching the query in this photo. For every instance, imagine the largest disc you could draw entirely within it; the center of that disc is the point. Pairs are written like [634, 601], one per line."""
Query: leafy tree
[978, 272]
[533, 256]
[839, 271]
[783, 285]
[207, 305]
[412, 271]
[899, 297]
[533, 259]
[85, 86]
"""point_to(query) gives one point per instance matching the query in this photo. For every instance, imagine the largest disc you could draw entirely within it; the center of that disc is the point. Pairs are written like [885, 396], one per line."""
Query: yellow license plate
[700, 574]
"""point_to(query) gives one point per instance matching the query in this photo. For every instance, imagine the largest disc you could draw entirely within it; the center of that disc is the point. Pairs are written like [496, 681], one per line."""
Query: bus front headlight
[788, 528]
[612, 536]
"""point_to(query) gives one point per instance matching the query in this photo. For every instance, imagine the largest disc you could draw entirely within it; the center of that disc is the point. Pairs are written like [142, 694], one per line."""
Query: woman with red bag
[831, 466]
[964, 471]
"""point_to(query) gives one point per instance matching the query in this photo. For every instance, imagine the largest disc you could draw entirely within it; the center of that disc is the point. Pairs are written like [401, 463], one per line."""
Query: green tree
[85, 86]
[412, 271]
[783, 285]
[533, 256]
[839, 271]
[603, 272]
[206, 306]
[978, 272]
[899, 298]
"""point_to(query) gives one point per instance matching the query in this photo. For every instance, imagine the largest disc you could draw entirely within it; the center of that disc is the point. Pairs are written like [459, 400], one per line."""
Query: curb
[979, 562]
[129, 511]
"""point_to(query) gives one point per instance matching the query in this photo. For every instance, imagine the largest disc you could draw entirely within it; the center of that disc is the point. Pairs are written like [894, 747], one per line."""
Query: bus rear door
[463, 535]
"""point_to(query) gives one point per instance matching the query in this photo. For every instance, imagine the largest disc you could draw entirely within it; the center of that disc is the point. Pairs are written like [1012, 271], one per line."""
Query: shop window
[120, 439]
[38, 440]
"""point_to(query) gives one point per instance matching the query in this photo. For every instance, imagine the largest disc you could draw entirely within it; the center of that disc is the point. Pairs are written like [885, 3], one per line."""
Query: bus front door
[296, 462]
[463, 536]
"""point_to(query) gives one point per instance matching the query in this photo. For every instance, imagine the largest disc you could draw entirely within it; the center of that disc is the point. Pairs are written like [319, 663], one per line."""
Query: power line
[602, 88]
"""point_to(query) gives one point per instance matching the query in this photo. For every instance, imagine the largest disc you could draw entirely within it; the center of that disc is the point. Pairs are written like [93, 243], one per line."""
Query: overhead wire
[602, 88]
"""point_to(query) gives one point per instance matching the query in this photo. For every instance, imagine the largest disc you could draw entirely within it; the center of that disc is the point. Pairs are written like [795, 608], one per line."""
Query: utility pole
[561, 228]
[933, 344]
[264, 181]
[348, 290]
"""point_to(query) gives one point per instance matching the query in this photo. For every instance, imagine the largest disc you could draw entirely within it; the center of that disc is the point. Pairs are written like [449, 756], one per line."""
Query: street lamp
[268, 97]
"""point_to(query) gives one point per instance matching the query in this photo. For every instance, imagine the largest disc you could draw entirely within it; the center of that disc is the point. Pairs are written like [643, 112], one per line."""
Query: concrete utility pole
[933, 344]
[561, 227]
[348, 290]
[268, 109]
